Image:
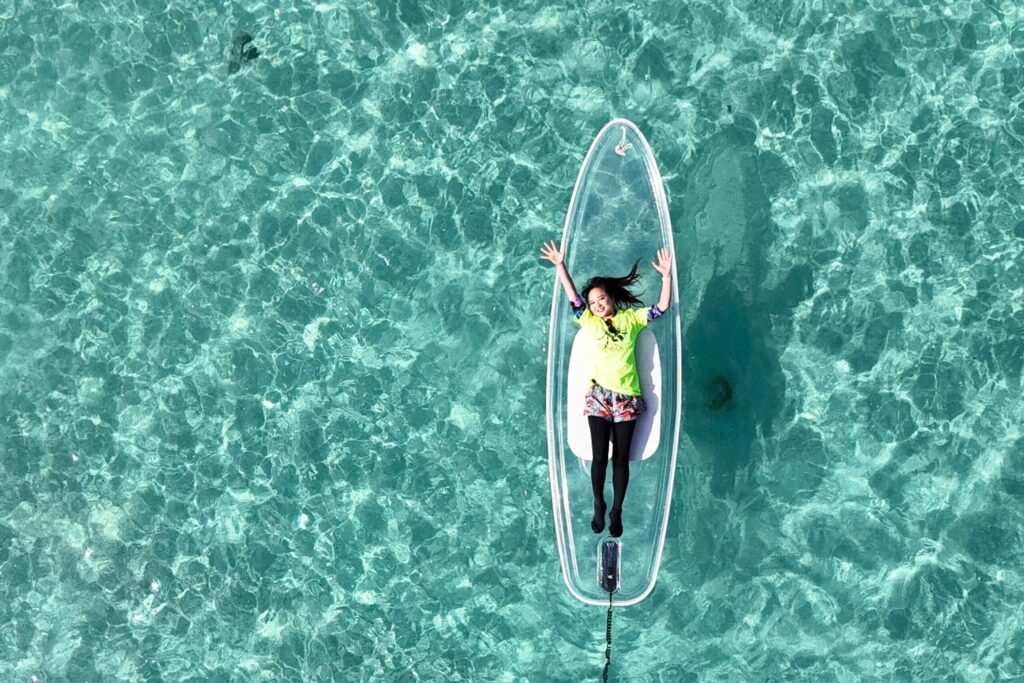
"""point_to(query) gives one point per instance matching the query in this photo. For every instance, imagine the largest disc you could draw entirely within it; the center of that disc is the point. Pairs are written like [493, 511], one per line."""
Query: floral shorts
[611, 405]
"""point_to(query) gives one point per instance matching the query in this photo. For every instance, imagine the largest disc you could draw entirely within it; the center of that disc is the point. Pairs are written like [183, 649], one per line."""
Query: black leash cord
[608, 639]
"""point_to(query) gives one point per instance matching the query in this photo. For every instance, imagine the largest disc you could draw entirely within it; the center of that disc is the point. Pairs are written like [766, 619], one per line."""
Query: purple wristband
[578, 307]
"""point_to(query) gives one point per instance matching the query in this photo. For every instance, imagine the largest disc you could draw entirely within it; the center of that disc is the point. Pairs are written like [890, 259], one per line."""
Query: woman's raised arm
[551, 252]
[664, 266]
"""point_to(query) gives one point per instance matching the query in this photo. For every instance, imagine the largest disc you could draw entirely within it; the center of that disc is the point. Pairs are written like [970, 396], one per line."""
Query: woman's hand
[550, 252]
[664, 263]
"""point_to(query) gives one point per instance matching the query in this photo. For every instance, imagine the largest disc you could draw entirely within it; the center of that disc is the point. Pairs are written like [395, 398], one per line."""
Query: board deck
[647, 434]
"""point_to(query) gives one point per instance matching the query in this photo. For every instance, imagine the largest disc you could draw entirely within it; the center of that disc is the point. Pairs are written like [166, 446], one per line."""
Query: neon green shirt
[614, 357]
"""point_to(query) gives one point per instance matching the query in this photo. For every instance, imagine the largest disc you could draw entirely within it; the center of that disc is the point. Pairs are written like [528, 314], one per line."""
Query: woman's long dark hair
[616, 287]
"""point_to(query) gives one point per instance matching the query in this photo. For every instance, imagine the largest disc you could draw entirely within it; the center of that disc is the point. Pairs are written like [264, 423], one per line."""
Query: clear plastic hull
[618, 214]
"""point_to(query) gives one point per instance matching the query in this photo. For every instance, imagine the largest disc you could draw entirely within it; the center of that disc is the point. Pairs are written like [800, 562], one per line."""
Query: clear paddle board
[618, 214]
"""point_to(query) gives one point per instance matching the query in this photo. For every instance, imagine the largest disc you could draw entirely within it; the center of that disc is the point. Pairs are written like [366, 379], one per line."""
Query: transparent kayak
[618, 214]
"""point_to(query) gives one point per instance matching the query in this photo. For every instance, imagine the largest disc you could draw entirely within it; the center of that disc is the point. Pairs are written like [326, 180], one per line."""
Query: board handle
[623, 146]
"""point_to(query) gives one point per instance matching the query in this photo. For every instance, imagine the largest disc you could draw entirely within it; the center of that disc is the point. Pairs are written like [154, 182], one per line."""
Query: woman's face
[600, 303]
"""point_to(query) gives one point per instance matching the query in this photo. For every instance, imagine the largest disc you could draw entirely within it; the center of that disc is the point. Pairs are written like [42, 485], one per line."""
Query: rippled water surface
[272, 343]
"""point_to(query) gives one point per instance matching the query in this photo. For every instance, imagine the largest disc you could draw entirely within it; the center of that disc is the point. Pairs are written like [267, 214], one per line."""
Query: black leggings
[622, 435]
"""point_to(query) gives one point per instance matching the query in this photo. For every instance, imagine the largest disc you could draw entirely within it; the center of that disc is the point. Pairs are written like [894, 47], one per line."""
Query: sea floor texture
[273, 338]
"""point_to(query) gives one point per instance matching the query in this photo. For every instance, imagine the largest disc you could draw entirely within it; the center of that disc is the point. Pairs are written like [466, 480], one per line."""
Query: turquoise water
[272, 344]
